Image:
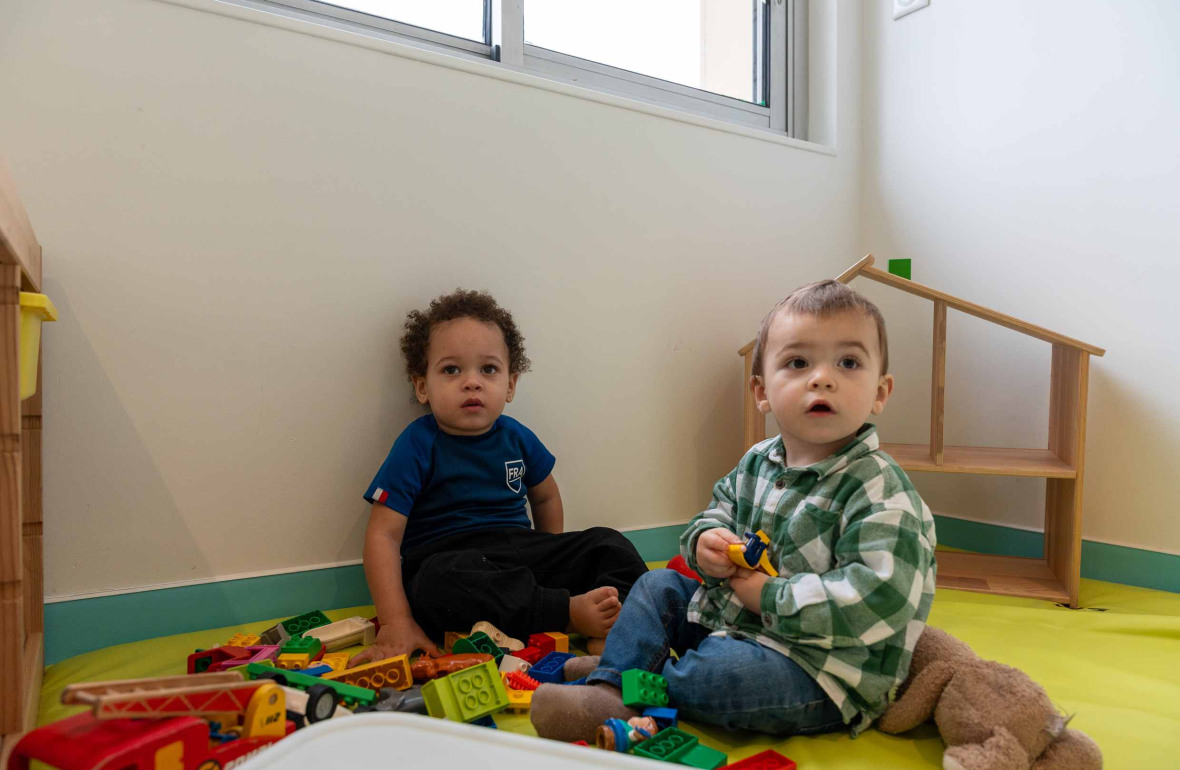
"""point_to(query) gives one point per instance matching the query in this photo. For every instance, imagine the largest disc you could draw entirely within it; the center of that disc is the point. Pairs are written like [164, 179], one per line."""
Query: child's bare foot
[594, 612]
[595, 645]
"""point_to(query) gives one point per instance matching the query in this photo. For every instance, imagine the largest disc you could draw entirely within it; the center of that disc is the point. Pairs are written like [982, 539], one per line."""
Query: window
[725, 59]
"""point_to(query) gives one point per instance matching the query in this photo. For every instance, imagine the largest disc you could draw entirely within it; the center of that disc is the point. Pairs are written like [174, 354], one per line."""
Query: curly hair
[478, 305]
[823, 298]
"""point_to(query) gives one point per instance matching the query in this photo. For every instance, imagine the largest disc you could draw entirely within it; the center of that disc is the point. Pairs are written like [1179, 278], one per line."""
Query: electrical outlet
[902, 7]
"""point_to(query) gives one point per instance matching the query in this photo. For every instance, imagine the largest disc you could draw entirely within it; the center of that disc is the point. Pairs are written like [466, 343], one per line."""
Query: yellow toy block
[293, 661]
[450, 639]
[562, 641]
[337, 660]
[244, 640]
[519, 700]
[391, 672]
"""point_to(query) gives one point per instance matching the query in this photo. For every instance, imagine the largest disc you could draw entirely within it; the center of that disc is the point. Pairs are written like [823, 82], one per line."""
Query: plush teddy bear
[990, 716]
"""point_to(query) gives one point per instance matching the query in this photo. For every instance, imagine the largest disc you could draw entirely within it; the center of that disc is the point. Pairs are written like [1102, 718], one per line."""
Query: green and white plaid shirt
[853, 544]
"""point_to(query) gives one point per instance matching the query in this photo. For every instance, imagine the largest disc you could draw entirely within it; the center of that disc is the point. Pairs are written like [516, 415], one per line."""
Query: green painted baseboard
[80, 625]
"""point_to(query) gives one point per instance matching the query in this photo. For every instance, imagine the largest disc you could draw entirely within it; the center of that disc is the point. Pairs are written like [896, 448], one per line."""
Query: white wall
[236, 219]
[1024, 156]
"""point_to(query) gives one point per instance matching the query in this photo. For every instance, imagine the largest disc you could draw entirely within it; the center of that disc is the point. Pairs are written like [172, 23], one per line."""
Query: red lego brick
[529, 655]
[543, 642]
[766, 760]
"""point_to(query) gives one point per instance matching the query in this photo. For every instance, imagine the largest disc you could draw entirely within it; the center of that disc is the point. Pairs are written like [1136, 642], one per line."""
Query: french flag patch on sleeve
[380, 495]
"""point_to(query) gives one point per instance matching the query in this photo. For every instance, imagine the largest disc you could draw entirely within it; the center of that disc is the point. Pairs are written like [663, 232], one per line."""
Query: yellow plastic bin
[34, 308]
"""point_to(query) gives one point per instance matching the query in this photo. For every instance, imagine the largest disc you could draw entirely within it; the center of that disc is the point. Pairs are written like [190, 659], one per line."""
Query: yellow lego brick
[337, 660]
[391, 672]
[244, 640]
[562, 641]
[293, 661]
[519, 700]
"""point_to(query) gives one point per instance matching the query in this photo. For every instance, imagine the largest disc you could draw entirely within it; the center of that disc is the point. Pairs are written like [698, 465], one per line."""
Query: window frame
[780, 70]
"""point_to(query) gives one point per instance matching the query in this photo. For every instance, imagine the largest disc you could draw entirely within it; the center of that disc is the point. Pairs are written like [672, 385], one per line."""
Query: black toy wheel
[321, 703]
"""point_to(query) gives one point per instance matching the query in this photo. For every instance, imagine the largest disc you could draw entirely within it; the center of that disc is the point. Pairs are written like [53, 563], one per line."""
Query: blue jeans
[734, 683]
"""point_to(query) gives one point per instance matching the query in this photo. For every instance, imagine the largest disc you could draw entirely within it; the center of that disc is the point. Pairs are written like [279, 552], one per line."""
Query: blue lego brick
[486, 722]
[317, 670]
[551, 668]
[664, 716]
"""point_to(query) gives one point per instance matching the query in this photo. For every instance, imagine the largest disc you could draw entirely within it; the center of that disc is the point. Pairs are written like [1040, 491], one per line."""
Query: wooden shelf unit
[21, 587]
[1057, 575]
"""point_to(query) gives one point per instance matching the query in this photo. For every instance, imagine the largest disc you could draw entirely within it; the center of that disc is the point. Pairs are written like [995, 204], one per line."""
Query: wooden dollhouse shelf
[1038, 463]
[1010, 575]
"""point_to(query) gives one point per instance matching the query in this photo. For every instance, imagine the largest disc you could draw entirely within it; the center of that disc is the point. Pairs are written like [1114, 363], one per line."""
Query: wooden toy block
[668, 745]
[391, 672]
[643, 688]
[344, 633]
[500, 638]
[466, 695]
[449, 641]
[561, 641]
[543, 642]
[337, 660]
[293, 661]
[519, 700]
[766, 760]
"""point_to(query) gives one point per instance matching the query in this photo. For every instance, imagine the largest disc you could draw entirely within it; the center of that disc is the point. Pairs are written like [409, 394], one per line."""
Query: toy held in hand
[753, 554]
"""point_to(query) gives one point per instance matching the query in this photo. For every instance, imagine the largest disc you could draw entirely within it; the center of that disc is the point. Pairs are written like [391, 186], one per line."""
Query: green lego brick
[466, 695]
[701, 755]
[297, 645]
[297, 625]
[350, 695]
[643, 688]
[479, 642]
[668, 745]
[900, 268]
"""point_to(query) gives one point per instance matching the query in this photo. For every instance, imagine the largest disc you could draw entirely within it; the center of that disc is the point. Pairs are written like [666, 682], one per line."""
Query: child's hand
[396, 639]
[747, 586]
[713, 552]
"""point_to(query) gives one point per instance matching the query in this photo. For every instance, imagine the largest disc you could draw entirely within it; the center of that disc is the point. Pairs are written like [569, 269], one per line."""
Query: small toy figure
[617, 735]
[753, 554]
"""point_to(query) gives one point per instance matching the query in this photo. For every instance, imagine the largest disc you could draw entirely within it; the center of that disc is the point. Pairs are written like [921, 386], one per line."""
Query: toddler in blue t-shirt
[449, 541]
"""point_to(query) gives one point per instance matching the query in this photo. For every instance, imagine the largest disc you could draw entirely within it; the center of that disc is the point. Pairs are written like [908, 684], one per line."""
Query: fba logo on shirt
[515, 472]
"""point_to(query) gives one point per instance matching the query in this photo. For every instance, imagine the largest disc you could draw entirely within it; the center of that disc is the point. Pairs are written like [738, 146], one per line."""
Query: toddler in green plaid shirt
[826, 642]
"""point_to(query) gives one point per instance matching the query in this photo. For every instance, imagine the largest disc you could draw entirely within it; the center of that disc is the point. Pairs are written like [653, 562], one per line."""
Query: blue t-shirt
[448, 484]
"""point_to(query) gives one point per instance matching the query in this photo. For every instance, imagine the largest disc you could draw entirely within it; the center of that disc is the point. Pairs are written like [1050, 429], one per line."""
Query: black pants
[519, 580]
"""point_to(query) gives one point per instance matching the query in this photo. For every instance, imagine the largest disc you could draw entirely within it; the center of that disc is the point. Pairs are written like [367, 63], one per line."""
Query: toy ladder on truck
[152, 723]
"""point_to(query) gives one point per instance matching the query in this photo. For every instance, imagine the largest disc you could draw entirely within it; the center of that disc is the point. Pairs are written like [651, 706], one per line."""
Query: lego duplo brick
[337, 660]
[276, 634]
[466, 695]
[297, 625]
[450, 639]
[643, 688]
[704, 757]
[766, 760]
[900, 268]
[664, 716]
[551, 668]
[302, 645]
[479, 642]
[498, 637]
[543, 642]
[202, 660]
[529, 655]
[344, 633]
[668, 745]
[391, 672]
[519, 700]
[562, 642]
[512, 663]
[244, 640]
[293, 661]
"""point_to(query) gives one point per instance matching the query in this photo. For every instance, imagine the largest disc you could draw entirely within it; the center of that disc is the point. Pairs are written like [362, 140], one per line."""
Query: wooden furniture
[21, 593]
[1055, 576]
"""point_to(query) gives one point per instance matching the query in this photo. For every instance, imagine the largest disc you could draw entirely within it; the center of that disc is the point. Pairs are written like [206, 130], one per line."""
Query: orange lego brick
[391, 672]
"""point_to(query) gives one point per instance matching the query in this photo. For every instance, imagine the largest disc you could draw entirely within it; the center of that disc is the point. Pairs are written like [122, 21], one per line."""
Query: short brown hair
[478, 305]
[823, 298]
